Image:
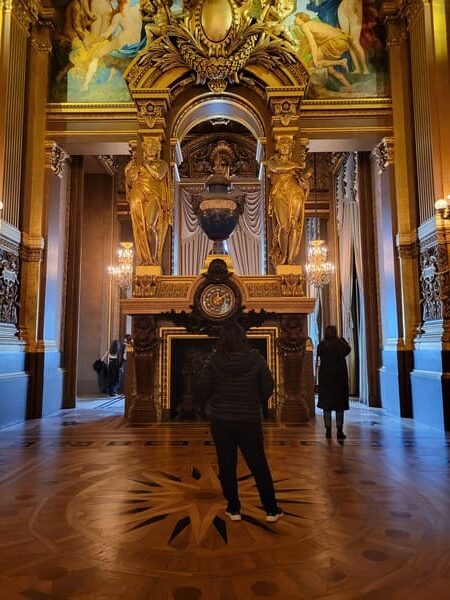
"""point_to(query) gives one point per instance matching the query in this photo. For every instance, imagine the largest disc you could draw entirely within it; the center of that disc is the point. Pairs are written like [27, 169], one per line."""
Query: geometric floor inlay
[93, 509]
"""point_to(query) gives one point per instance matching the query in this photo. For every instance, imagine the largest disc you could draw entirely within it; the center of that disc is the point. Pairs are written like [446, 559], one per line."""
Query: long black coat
[333, 375]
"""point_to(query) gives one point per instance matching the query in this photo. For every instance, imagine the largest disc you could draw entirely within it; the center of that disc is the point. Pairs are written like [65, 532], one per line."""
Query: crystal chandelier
[122, 272]
[318, 270]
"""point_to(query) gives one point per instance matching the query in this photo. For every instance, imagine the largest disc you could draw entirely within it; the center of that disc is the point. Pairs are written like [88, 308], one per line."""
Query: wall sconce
[443, 207]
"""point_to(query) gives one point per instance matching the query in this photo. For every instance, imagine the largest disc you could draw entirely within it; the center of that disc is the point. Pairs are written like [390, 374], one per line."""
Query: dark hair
[114, 348]
[232, 338]
[331, 332]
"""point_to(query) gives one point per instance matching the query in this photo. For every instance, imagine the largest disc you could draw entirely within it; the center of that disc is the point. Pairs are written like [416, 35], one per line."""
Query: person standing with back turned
[236, 383]
[333, 379]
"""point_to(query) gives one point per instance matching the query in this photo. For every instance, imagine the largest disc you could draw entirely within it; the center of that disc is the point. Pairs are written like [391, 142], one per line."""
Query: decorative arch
[227, 106]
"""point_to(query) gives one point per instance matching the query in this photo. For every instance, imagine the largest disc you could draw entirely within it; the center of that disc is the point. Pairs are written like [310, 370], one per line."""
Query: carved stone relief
[199, 155]
[9, 286]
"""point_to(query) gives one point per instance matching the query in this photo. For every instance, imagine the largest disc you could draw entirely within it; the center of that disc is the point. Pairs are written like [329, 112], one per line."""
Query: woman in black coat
[236, 384]
[333, 379]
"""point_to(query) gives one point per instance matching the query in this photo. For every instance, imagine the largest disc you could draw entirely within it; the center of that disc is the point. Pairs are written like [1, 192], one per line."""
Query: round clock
[217, 300]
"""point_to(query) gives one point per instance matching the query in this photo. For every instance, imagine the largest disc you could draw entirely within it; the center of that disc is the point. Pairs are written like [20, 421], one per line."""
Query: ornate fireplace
[181, 357]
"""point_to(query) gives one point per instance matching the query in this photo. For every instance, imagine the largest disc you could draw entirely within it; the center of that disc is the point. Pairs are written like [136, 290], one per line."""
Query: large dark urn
[218, 209]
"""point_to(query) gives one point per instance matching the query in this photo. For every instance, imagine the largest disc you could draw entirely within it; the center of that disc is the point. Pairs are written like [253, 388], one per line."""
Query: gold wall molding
[383, 154]
[292, 285]
[408, 251]
[32, 248]
[55, 158]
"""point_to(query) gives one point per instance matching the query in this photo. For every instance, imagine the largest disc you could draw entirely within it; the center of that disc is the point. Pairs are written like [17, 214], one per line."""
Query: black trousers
[228, 436]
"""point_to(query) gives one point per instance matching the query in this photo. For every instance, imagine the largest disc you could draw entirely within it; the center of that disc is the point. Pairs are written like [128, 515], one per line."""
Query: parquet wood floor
[92, 508]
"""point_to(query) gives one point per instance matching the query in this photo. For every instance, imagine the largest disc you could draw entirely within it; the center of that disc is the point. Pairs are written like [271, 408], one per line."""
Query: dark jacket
[235, 388]
[333, 376]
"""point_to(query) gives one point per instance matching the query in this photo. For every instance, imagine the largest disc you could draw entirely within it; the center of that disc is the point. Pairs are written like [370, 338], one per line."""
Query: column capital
[284, 104]
[55, 158]
[383, 154]
[411, 10]
[152, 111]
[396, 29]
[26, 12]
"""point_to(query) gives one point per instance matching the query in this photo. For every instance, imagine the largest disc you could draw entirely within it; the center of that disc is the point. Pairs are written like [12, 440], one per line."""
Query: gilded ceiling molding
[383, 154]
[55, 158]
[216, 42]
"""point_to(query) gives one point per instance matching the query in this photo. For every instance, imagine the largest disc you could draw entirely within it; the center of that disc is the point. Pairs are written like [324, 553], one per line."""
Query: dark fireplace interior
[187, 358]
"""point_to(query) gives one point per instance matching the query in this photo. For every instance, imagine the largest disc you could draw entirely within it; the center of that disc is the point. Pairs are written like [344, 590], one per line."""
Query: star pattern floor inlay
[92, 508]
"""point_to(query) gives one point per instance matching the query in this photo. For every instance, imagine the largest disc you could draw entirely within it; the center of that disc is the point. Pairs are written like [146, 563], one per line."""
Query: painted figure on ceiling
[124, 35]
[328, 46]
[288, 194]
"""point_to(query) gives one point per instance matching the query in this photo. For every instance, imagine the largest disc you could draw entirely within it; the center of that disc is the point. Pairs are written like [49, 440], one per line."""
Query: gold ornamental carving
[263, 289]
[214, 38]
[147, 192]
[55, 158]
[411, 9]
[396, 28]
[292, 285]
[290, 186]
[25, 12]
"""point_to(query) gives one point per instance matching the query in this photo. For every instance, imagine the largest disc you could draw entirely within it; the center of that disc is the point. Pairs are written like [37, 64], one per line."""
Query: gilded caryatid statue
[150, 205]
[288, 194]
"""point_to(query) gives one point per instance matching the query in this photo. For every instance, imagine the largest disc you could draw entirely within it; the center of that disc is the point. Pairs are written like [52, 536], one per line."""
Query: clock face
[217, 300]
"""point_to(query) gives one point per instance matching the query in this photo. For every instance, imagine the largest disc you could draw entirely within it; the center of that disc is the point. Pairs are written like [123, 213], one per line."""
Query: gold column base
[148, 270]
[225, 257]
[288, 269]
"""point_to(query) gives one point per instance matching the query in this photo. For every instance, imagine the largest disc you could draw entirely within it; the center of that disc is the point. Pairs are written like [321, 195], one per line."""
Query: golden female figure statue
[148, 195]
[288, 194]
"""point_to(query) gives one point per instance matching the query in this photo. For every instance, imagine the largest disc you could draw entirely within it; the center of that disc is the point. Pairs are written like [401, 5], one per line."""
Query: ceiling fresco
[340, 42]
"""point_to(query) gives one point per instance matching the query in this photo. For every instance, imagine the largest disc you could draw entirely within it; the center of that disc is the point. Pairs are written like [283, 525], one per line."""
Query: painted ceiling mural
[340, 42]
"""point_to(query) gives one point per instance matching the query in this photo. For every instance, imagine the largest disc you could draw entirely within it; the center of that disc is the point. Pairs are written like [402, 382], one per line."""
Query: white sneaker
[273, 517]
[234, 516]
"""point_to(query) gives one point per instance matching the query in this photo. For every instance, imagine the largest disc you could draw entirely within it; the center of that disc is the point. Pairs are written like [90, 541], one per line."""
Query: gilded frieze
[263, 288]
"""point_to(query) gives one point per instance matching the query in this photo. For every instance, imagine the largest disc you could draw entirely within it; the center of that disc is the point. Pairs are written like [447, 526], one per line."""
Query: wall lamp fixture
[443, 207]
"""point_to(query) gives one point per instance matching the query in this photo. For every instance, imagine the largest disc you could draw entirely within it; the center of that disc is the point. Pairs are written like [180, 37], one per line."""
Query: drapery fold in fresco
[340, 42]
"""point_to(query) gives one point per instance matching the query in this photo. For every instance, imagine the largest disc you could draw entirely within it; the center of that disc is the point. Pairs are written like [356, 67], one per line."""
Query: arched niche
[227, 106]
